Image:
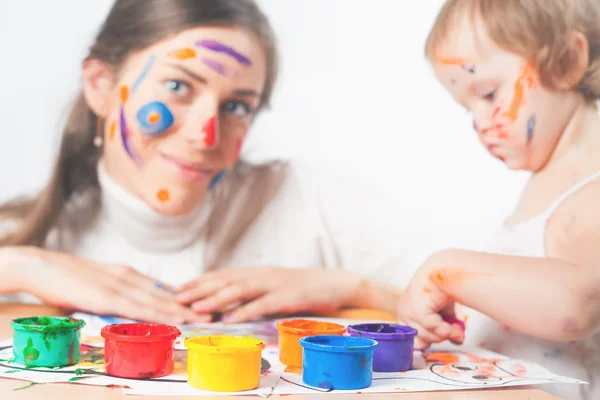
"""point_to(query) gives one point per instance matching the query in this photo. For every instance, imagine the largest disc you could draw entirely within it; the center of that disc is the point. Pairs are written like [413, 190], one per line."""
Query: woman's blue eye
[237, 109]
[178, 88]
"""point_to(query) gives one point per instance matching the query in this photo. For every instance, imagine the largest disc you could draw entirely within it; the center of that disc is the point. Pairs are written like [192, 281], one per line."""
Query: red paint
[210, 132]
[118, 387]
[238, 150]
[139, 350]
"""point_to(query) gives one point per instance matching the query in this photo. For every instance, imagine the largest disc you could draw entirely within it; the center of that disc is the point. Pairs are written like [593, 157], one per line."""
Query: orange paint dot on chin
[163, 195]
[183, 54]
[124, 94]
[153, 118]
[112, 130]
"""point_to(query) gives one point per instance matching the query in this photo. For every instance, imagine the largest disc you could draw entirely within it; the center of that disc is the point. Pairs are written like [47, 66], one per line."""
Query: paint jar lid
[307, 327]
[137, 332]
[383, 331]
[224, 344]
[47, 324]
[338, 344]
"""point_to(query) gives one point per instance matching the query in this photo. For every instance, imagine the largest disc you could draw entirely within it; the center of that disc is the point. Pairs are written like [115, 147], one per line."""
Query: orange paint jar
[290, 332]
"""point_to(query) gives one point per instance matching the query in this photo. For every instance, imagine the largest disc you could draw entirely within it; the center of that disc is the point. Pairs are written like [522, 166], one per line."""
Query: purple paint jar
[396, 345]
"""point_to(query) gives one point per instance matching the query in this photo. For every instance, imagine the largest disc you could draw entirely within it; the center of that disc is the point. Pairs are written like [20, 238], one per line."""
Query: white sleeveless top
[578, 359]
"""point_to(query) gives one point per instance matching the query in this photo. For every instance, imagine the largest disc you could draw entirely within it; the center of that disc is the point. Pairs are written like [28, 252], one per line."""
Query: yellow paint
[124, 94]
[224, 363]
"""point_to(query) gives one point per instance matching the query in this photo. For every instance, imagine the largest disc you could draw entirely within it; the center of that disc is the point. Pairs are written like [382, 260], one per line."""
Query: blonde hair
[539, 30]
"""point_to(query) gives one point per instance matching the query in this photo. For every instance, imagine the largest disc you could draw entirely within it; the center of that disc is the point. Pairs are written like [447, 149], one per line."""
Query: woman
[149, 208]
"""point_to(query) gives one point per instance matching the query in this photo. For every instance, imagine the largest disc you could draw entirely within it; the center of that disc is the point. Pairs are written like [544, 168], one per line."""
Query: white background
[356, 96]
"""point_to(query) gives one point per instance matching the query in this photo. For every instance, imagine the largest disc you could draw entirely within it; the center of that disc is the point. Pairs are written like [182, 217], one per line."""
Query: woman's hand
[270, 290]
[68, 282]
[426, 308]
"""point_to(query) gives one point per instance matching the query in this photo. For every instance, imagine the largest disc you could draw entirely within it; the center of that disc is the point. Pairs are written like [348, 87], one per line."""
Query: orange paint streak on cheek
[154, 118]
[124, 94]
[183, 54]
[451, 60]
[111, 131]
[163, 196]
[526, 79]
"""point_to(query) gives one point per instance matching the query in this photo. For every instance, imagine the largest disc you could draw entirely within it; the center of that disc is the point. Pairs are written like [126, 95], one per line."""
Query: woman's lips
[188, 170]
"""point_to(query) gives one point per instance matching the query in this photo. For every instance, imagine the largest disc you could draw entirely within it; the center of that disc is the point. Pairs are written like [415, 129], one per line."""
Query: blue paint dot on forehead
[154, 119]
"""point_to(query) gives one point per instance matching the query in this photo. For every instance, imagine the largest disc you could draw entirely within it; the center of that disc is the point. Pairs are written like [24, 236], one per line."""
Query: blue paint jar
[337, 362]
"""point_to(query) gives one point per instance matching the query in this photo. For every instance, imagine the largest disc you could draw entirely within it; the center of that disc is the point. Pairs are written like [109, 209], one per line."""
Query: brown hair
[131, 25]
[540, 31]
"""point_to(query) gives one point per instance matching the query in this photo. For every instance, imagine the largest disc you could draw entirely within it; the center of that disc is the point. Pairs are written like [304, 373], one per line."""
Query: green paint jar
[46, 341]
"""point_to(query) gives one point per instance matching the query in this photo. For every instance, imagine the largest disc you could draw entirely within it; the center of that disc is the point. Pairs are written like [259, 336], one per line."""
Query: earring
[99, 138]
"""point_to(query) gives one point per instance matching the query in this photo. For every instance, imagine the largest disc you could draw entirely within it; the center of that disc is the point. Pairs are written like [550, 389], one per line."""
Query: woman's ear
[578, 62]
[97, 86]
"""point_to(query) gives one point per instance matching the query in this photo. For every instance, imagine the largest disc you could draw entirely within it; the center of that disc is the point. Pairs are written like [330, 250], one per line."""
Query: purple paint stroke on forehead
[125, 134]
[216, 66]
[221, 48]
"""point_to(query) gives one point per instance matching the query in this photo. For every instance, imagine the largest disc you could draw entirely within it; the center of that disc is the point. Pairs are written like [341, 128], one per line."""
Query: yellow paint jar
[224, 363]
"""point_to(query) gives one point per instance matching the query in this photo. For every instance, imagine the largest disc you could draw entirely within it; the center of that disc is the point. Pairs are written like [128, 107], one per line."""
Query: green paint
[13, 371]
[26, 387]
[46, 341]
[30, 352]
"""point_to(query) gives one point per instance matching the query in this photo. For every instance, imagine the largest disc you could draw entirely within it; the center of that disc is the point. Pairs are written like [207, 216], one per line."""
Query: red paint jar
[139, 350]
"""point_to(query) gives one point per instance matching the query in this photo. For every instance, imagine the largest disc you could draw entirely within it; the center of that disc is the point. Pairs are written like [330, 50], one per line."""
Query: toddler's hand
[426, 308]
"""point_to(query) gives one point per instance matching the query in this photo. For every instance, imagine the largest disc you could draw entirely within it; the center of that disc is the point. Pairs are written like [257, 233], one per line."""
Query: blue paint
[395, 348]
[165, 121]
[163, 287]
[530, 128]
[144, 73]
[337, 362]
[217, 178]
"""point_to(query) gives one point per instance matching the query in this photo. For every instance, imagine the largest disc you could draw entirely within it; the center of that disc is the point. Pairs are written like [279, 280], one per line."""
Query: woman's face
[179, 113]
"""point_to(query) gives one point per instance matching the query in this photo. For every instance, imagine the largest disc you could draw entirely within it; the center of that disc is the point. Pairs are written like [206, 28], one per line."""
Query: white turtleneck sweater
[268, 215]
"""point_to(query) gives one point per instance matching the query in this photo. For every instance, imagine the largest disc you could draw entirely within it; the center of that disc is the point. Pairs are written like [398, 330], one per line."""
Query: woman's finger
[201, 290]
[233, 293]
[269, 304]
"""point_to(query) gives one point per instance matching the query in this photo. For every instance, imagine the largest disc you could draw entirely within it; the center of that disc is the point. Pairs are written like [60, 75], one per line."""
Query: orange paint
[445, 358]
[183, 54]
[444, 277]
[451, 60]
[427, 290]
[526, 79]
[163, 196]
[124, 94]
[154, 118]
[290, 332]
[112, 130]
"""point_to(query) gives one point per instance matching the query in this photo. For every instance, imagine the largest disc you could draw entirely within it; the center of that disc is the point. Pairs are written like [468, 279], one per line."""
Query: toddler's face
[517, 119]
[180, 112]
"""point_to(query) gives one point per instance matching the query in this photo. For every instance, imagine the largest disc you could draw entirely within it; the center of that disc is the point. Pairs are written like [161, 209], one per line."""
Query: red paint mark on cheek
[124, 94]
[183, 54]
[238, 150]
[163, 196]
[496, 112]
[210, 132]
[112, 130]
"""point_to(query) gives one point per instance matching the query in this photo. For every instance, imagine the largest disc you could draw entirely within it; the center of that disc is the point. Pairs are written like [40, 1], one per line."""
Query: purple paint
[469, 68]
[221, 48]
[125, 134]
[216, 66]
[396, 345]
[456, 321]
[530, 128]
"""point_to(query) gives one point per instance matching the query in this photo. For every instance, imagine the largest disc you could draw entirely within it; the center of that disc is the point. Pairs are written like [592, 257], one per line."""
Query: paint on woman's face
[144, 74]
[216, 66]
[183, 54]
[210, 132]
[163, 196]
[123, 123]
[530, 128]
[221, 48]
[154, 119]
